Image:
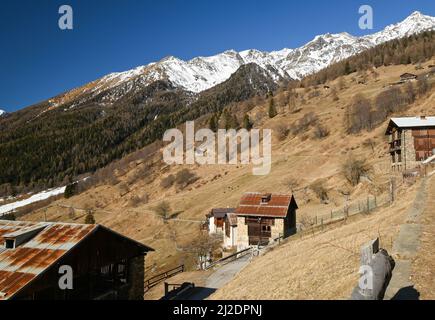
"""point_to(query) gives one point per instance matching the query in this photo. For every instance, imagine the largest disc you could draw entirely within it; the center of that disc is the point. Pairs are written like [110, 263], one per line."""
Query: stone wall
[136, 278]
[242, 234]
[408, 150]
[231, 241]
[277, 229]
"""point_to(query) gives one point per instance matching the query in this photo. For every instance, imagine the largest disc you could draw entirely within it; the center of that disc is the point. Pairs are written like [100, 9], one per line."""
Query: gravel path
[405, 249]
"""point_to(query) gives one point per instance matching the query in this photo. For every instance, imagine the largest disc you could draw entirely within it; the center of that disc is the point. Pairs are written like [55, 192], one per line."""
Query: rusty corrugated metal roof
[20, 265]
[276, 205]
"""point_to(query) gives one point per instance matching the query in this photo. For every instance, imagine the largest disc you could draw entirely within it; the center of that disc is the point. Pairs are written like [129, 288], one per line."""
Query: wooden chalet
[411, 141]
[262, 218]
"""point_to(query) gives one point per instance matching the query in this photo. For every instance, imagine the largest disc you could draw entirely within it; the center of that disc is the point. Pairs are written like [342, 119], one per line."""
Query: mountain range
[86, 128]
[202, 73]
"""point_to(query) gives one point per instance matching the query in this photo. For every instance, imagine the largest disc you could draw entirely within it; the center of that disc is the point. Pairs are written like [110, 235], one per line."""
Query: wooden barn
[103, 263]
[262, 218]
[411, 141]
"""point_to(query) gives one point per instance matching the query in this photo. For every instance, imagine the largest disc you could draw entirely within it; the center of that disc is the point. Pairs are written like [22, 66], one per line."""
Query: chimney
[265, 198]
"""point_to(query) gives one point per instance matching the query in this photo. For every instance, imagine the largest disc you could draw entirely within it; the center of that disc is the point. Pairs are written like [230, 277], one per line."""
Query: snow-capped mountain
[202, 73]
[2, 112]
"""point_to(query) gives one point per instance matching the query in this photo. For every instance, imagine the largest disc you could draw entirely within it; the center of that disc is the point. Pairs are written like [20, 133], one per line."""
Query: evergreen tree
[272, 109]
[213, 123]
[70, 190]
[89, 219]
[247, 124]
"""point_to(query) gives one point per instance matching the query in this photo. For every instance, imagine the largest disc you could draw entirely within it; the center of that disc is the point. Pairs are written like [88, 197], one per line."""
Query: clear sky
[38, 60]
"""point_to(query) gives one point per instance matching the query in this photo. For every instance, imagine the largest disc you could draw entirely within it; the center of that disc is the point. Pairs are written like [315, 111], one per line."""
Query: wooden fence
[357, 207]
[155, 280]
[229, 258]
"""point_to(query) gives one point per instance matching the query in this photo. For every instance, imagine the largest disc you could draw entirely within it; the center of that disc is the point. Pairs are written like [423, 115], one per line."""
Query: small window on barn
[265, 228]
[10, 244]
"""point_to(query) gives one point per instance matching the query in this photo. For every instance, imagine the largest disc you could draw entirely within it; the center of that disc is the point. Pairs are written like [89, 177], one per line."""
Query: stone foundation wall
[136, 278]
[242, 234]
[277, 229]
[408, 150]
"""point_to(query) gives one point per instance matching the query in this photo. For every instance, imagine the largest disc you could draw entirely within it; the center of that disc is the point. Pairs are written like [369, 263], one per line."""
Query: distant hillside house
[262, 218]
[34, 256]
[411, 141]
[407, 77]
[216, 218]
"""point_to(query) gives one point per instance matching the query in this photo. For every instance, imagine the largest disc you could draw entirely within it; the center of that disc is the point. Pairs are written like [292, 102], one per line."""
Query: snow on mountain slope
[2, 112]
[415, 23]
[202, 73]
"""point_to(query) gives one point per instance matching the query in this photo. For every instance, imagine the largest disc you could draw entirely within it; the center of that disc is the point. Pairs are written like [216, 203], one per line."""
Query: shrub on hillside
[281, 130]
[354, 168]
[303, 124]
[137, 200]
[168, 181]
[320, 190]
[163, 210]
[185, 177]
[321, 131]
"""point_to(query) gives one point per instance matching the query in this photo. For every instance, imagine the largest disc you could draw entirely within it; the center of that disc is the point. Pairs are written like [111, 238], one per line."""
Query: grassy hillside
[125, 195]
[320, 266]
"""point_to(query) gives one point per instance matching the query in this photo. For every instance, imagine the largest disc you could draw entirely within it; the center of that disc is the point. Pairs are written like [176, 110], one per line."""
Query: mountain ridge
[201, 73]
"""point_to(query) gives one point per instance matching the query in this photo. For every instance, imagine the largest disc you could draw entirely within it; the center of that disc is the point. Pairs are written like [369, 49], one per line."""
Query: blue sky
[38, 60]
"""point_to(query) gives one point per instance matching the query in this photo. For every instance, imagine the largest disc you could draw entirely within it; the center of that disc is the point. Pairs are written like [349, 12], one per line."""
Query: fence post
[321, 222]
[331, 215]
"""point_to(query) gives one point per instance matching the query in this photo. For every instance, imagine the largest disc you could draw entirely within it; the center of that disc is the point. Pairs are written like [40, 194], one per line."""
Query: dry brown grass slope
[296, 160]
[320, 266]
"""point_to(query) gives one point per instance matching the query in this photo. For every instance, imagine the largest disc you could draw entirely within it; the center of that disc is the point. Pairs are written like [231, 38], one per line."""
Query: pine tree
[272, 109]
[247, 124]
[70, 190]
[213, 124]
[89, 219]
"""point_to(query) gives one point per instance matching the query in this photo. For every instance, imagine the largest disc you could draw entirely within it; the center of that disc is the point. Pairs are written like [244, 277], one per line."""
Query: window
[265, 228]
[9, 244]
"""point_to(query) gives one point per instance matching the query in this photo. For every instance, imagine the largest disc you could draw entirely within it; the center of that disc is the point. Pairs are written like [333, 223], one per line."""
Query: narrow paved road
[217, 279]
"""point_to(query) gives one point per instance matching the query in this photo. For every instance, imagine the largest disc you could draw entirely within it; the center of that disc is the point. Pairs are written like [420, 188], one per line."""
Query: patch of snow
[11, 207]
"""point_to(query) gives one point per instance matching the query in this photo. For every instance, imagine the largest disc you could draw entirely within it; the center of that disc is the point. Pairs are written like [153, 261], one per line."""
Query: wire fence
[359, 206]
